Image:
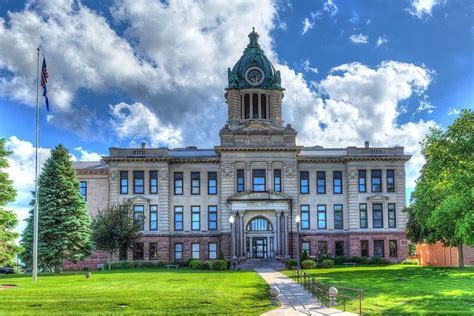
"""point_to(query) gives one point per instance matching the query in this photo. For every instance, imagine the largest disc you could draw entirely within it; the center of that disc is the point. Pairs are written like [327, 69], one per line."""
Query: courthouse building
[349, 200]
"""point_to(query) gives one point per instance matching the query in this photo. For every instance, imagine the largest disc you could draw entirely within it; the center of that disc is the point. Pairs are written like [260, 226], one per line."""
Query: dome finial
[253, 36]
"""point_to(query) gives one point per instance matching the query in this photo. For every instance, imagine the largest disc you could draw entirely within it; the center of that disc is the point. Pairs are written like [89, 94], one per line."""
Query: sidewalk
[294, 299]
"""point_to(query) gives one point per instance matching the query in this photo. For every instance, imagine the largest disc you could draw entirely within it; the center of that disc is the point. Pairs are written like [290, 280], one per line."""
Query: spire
[253, 36]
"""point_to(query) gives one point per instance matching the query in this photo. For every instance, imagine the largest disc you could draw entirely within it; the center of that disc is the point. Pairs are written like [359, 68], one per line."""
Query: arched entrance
[259, 238]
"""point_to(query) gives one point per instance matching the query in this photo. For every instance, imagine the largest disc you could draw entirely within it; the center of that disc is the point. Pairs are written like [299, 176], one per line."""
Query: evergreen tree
[63, 223]
[8, 219]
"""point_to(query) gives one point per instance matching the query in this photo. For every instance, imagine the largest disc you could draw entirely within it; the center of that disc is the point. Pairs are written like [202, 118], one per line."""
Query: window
[339, 245]
[123, 182]
[392, 248]
[195, 218]
[321, 216]
[178, 218]
[363, 215]
[322, 248]
[337, 182]
[153, 217]
[153, 251]
[195, 183]
[259, 224]
[153, 182]
[321, 182]
[277, 180]
[84, 189]
[212, 183]
[178, 183]
[212, 250]
[212, 217]
[138, 182]
[390, 180]
[377, 213]
[138, 215]
[338, 217]
[178, 251]
[138, 251]
[304, 216]
[362, 181]
[263, 99]
[195, 250]
[364, 248]
[247, 106]
[258, 180]
[254, 105]
[392, 219]
[240, 180]
[376, 180]
[304, 182]
[305, 247]
[379, 248]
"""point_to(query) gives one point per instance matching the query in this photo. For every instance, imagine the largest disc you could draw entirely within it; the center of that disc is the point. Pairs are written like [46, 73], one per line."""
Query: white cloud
[359, 38]
[307, 25]
[330, 8]
[307, 67]
[453, 111]
[381, 40]
[423, 8]
[425, 105]
[86, 155]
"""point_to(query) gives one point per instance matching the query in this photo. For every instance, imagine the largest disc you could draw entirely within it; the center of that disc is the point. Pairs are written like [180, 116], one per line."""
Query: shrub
[327, 263]
[221, 256]
[304, 256]
[410, 262]
[308, 264]
[195, 264]
[339, 260]
[205, 265]
[290, 263]
[219, 265]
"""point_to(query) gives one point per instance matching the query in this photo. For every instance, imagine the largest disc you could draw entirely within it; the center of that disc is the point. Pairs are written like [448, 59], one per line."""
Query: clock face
[254, 76]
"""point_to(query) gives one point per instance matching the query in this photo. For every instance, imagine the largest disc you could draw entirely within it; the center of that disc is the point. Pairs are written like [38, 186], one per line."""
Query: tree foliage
[63, 222]
[442, 206]
[114, 229]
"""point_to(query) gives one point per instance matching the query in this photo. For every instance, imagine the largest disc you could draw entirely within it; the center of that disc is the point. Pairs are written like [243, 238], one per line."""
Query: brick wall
[438, 255]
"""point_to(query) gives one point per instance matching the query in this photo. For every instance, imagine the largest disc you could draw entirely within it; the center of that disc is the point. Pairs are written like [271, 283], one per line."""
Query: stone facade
[261, 179]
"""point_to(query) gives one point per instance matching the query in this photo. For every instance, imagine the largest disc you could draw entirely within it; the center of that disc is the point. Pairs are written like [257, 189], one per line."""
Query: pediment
[259, 196]
[140, 199]
[377, 197]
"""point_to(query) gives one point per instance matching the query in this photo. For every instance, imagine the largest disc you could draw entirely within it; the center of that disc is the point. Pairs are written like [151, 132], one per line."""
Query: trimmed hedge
[195, 264]
[327, 263]
[413, 262]
[136, 265]
[290, 263]
[308, 264]
[219, 265]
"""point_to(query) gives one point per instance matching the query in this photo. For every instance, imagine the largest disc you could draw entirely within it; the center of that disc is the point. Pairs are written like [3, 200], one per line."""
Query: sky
[126, 71]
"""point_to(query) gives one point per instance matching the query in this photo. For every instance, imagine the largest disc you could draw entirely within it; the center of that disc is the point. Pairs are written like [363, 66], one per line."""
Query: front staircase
[250, 264]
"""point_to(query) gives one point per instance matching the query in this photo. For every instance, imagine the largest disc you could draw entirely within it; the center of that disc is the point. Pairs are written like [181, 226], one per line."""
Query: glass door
[259, 247]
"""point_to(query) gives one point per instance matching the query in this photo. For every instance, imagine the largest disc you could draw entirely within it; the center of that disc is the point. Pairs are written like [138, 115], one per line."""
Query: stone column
[285, 232]
[242, 237]
[259, 106]
[278, 235]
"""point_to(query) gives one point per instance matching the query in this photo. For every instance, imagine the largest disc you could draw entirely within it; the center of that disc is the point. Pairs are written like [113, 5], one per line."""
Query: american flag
[44, 81]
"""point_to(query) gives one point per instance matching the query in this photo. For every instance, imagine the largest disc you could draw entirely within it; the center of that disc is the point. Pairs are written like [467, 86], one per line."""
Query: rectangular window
[212, 183]
[305, 247]
[339, 245]
[337, 182]
[364, 248]
[321, 216]
[195, 183]
[321, 182]
[178, 218]
[376, 180]
[240, 180]
[390, 180]
[304, 216]
[304, 182]
[195, 218]
[212, 250]
[153, 251]
[212, 224]
[392, 247]
[139, 215]
[377, 214]
[277, 180]
[195, 249]
[258, 180]
[138, 182]
[138, 251]
[338, 217]
[178, 183]
[322, 248]
[392, 218]
[84, 189]
[363, 215]
[153, 217]
[362, 181]
[379, 248]
[123, 182]
[153, 182]
[178, 251]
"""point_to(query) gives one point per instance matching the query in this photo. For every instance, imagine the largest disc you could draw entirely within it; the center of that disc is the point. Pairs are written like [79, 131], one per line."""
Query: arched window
[259, 224]
[264, 106]
[255, 105]
[247, 106]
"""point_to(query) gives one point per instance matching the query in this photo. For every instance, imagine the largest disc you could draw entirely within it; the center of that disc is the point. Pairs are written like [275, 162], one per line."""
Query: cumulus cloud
[453, 111]
[307, 67]
[330, 8]
[359, 38]
[425, 105]
[381, 40]
[86, 155]
[307, 25]
[423, 8]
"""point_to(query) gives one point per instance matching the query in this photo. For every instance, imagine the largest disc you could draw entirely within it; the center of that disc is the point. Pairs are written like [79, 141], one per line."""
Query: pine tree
[8, 219]
[64, 231]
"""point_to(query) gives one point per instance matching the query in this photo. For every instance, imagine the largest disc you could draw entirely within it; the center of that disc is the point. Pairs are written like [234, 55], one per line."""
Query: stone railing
[139, 152]
[395, 151]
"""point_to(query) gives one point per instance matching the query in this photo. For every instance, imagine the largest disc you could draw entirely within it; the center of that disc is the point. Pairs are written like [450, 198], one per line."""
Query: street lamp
[231, 221]
[298, 220]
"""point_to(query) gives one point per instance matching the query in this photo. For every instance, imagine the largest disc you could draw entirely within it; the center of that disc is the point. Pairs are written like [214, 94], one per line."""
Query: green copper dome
[254, 70]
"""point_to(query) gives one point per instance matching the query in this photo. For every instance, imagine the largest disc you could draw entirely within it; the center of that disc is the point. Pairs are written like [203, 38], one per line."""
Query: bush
[413, 262]
[290, 263]
[219, 265]
[205, 265]
[195, 264]
[304, 256]
[327, 263]
[308, 264]
[221, 256]
[339, 260]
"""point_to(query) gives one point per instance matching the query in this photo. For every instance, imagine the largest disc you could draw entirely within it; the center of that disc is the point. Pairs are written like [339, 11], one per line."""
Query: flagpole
[35, 216]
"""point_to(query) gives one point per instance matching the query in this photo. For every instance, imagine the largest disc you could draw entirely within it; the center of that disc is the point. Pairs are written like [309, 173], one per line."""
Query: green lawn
[406, 289]
[138, 291]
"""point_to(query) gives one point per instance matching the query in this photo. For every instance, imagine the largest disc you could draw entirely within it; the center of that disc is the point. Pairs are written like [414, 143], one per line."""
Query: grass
[152, 291]
[395, 289]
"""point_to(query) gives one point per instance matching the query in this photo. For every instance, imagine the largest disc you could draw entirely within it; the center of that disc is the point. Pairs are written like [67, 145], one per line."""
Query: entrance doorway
[259, 247]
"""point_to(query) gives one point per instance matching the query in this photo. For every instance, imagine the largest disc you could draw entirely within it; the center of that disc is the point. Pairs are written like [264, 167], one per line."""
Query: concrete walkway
[294, 299]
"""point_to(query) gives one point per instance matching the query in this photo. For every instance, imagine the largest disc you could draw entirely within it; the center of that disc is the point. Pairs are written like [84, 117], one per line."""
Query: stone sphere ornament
[332, 296]
[88, 275]
[274, 292]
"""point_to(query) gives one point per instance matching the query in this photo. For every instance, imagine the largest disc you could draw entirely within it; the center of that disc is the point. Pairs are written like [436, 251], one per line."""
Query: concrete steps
[251, 264]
